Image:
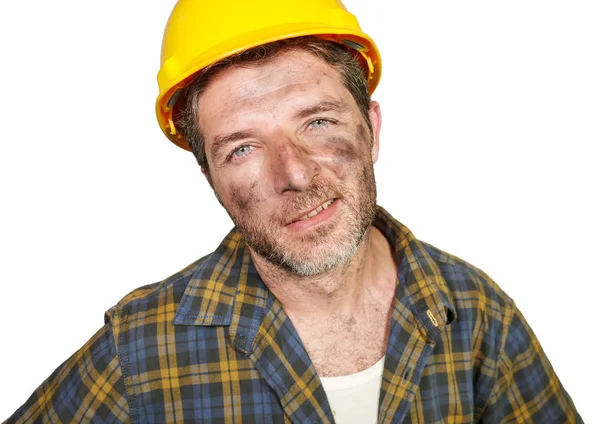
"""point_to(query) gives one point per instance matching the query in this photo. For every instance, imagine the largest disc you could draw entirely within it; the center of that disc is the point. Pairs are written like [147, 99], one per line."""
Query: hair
[348, 62]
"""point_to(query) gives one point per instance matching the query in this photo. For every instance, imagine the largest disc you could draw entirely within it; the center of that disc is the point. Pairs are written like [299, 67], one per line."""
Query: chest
[201, 376]
[342, 346]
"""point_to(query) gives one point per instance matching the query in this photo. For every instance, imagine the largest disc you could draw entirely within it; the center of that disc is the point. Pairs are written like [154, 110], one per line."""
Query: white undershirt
[354, 398]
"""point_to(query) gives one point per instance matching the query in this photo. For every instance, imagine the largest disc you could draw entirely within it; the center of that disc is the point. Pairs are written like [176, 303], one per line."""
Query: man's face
[291, 160]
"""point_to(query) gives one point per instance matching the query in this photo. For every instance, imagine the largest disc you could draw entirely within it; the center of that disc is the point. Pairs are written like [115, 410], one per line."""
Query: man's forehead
[296, 65]
[286, 75]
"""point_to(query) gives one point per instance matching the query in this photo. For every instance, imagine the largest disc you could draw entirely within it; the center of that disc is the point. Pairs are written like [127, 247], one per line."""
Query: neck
[342, 291]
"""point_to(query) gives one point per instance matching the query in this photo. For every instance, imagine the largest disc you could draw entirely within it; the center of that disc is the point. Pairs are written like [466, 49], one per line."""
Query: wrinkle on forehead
[252, 102]
[286, 73]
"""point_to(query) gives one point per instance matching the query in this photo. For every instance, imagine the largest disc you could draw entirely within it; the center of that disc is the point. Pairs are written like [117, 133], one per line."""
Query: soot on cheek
[244, 199]
[342, 151]
[345, 151]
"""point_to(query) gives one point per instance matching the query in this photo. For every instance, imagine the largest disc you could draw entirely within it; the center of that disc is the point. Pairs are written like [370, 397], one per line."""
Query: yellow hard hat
[202, 32]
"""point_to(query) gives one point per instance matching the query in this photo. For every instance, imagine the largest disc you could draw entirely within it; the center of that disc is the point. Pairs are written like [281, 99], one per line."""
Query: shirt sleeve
[88, 387]
[527, 389]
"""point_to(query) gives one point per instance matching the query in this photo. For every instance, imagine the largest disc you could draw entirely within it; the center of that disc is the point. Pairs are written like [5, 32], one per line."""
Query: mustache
[300, 202]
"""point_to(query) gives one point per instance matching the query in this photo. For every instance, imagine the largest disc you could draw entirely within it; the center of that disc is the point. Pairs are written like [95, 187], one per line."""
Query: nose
[293, 166]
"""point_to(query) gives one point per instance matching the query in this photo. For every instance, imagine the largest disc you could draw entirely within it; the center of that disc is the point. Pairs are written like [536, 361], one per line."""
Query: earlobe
[375, 117]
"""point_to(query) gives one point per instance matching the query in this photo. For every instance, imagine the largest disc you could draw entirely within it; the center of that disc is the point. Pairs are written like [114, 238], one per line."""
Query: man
[318, 306]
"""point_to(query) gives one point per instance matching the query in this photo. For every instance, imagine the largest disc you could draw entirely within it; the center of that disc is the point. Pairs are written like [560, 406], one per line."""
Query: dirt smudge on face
[363, 134]
[344, 151]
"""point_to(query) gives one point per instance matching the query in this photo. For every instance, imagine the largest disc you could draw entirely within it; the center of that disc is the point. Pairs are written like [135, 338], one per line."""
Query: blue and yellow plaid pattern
[211, 344]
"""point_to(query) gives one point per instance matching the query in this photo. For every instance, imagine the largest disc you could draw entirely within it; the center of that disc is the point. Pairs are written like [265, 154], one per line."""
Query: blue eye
[241, 151]
[319, 123]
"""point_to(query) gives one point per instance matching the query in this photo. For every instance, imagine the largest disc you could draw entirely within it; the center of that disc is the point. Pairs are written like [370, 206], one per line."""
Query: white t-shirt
[354, 398]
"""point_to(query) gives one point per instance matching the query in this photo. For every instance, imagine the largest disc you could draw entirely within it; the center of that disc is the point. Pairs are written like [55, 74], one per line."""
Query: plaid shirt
[212, 344]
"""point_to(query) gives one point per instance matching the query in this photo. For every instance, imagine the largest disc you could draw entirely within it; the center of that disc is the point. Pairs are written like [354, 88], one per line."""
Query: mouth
[323, 206]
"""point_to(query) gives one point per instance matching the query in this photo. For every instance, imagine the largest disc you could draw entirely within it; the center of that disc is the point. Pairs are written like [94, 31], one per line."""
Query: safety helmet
[202, 32]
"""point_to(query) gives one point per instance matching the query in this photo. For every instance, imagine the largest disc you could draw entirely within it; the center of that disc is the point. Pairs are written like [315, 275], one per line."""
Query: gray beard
[263, 238]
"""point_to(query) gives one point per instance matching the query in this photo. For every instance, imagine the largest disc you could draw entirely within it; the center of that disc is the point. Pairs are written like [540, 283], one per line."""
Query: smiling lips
[315, 211]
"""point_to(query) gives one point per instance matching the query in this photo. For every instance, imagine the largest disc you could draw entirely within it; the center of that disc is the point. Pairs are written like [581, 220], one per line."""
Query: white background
[491, 124]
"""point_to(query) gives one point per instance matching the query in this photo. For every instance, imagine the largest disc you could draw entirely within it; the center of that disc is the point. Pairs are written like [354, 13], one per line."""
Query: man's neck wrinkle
[334, 291]
[343, 291]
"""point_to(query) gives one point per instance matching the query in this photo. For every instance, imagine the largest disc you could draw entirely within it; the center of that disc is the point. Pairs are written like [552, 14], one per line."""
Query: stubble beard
[322, 249]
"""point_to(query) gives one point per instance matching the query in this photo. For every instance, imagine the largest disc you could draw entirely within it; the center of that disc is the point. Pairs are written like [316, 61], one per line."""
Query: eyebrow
[322, 106]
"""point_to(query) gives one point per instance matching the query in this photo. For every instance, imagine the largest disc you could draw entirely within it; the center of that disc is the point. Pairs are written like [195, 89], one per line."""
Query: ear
[375, 117]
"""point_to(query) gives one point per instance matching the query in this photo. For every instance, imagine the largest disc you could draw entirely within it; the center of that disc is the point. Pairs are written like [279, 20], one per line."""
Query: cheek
[246, 197]
[342, 155]
[238, 188]
[346, 154]
[344, 151]
[363, 135]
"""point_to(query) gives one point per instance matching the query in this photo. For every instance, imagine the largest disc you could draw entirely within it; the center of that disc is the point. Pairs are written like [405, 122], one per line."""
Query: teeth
[317, 210]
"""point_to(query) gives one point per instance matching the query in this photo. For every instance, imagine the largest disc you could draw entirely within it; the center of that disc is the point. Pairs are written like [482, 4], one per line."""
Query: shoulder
[483, 310]
[469, 286]
[153, 300]
[483, 316]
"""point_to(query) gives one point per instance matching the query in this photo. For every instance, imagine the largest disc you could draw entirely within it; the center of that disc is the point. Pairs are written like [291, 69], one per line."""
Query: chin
[317, 257]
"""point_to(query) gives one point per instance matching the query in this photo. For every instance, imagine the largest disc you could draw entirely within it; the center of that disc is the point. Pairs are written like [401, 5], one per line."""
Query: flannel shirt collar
[227, 290]
[421, 285]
